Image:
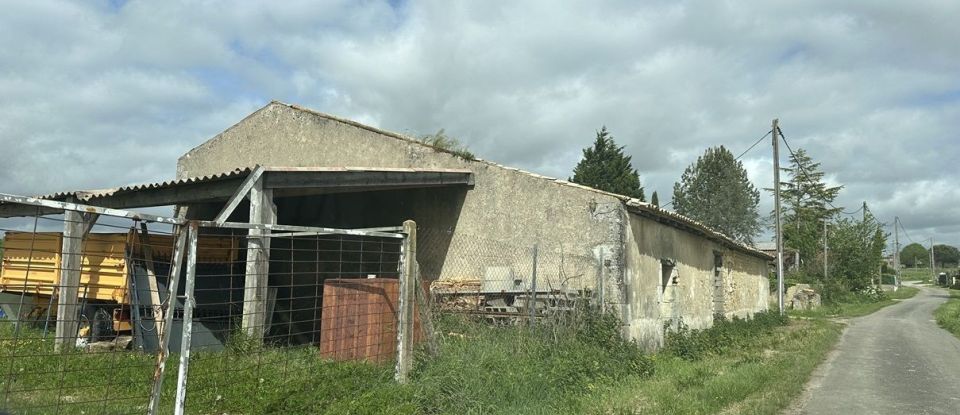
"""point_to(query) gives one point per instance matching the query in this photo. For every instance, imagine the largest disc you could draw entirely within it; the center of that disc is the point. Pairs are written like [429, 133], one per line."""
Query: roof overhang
[678, 221]
[286, 182]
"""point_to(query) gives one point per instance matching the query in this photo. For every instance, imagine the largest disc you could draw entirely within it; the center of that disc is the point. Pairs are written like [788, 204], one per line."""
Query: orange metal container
[359, 319]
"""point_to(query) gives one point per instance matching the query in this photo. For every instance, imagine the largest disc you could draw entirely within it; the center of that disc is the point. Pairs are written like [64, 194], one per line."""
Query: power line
[736, 159]
[807, 175]
[754, 145]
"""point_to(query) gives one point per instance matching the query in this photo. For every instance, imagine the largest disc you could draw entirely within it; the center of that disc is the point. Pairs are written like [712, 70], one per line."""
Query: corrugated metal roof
[84, 195]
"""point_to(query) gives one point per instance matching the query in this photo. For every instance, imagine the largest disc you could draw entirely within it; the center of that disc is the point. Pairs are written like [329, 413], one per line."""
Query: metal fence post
[599, 287]
[188, 304]
[533, 288]
[168, 311]
[408, 255]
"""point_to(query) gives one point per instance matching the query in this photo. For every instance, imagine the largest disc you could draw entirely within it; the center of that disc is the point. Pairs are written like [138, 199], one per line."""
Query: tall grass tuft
[724, 335]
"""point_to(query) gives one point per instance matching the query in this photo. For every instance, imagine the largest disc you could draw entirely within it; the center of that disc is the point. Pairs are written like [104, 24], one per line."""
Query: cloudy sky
[98, 94]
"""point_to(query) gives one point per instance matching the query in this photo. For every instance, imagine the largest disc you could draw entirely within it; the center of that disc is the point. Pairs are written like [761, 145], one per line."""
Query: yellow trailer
[31, 262]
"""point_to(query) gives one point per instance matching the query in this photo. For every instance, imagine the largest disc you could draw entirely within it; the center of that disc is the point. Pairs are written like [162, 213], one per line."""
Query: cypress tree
[605, 167]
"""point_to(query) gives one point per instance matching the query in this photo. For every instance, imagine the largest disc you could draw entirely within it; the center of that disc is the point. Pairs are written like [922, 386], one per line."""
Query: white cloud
[91, 96]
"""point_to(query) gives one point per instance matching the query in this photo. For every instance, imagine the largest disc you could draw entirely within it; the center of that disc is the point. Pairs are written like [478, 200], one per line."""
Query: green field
[924, 275]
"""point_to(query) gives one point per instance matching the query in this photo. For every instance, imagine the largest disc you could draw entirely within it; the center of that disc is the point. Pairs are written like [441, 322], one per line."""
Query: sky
[99, 94]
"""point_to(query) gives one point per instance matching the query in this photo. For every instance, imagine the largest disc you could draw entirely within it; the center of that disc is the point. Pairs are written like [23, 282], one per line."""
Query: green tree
[715, 190]
[655, 199]
[946, 255]
[914, 255]
[856, 251]
[605, 167]
[441, 140]
[806, 204]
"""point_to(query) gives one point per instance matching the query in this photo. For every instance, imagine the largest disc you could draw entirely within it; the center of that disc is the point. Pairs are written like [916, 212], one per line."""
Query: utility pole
[776, 208]
[933, 261]
[863, 211]
[896, 252]
[825, 272]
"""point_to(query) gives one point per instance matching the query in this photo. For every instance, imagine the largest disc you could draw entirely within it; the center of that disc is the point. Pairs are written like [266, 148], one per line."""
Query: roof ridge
[626, 200]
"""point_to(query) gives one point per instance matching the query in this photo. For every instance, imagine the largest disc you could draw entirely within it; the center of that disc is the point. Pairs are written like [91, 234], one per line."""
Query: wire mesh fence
[327, 297]
[81, 311]
[114, 312]
[98, 304]
[506, 282]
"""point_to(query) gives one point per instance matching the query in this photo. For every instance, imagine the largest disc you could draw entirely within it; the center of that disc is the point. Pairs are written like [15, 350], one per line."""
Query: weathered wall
[516, 208]
[692, 291]
[495, 223]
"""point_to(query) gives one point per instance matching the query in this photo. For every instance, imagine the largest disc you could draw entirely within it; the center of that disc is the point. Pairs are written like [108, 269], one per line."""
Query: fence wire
[79, 334]
[252, 312]
[328, 297]
[507, 282]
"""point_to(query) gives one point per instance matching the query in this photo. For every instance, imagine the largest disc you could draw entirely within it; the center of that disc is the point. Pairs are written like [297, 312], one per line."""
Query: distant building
[791, 257]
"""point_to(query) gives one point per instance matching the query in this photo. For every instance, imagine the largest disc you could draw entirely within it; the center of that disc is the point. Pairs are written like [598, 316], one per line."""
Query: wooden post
[71, 253]
[262, 211]
[408, 258]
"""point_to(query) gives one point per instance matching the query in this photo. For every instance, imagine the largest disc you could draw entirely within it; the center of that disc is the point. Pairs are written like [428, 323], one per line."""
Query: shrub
[724, 335]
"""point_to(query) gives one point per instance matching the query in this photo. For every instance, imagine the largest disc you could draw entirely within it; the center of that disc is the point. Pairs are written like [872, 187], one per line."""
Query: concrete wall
[691, 291]
[516, 210]
[496, 222]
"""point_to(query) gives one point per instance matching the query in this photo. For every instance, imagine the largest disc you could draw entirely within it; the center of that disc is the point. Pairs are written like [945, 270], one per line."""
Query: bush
[725, 335]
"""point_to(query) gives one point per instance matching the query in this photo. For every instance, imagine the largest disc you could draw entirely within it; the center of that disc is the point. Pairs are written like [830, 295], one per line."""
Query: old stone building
[652, 266]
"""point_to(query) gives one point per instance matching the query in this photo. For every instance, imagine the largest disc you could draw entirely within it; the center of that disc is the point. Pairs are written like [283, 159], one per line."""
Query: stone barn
[650, 265]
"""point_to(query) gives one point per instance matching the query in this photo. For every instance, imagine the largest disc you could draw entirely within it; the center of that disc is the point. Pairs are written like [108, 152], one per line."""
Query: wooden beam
[263, 211]
[239, 195]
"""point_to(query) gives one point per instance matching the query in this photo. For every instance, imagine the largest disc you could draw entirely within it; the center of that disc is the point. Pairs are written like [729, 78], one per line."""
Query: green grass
[856, 305]
[923, 275]
[762, 376]
[583, 366]
[948, 314]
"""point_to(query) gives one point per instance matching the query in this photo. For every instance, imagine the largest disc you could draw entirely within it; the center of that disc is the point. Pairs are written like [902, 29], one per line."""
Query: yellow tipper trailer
[31, 265]
[30, 273]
